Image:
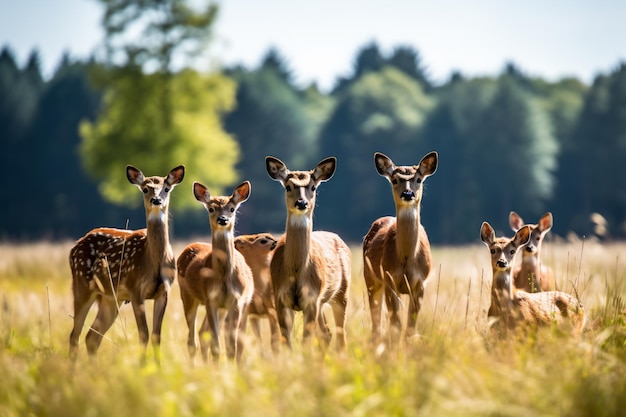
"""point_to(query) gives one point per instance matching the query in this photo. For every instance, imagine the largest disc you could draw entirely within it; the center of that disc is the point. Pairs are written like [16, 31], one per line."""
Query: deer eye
[232, 209]
[145, 190]
[512, 251]
[419, 180]
[167, 190]
[493, 251]
[211, 210]
[288, 187]
[312, 188]
[394, 181]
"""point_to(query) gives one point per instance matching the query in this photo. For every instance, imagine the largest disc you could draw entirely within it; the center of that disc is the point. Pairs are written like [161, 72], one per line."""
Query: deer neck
[157, 240]
[407, 231]
[501, 291]
[223, 243]
[298, 240]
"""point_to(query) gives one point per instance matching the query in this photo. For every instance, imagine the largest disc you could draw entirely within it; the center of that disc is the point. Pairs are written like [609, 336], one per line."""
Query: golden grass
[451, 369]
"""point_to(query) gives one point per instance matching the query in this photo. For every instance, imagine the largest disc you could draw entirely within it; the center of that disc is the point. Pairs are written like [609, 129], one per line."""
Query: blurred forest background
[505, 142]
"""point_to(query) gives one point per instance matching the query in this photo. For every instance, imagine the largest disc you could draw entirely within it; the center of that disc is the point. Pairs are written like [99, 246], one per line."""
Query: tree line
[505, 142]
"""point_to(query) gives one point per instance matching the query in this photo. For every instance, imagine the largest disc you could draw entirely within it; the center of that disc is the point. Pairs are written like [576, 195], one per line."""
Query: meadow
[454, 368]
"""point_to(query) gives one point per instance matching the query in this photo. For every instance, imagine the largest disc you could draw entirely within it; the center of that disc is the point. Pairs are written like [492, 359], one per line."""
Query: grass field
[452, 369]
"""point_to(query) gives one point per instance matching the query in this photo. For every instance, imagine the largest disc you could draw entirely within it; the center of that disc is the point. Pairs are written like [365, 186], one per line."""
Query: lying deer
[216, 276]
[257, 250]
[532, 275]
[396, 250]
[309, 269]
[511, 306]
[112, 266]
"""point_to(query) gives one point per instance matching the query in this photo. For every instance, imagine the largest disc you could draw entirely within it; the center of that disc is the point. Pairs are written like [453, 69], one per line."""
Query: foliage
[134, 129]
[153, 116]
[592, 161]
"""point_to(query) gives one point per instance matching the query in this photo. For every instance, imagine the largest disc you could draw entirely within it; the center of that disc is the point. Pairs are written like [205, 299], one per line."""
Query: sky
[320, 39]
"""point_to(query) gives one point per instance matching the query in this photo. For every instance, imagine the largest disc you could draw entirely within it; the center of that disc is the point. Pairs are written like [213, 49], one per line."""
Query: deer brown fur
[309, 268]
[396, 250]
[217, 276]
[532, 275]
[111, 266]
[511, 307]
[257, 249]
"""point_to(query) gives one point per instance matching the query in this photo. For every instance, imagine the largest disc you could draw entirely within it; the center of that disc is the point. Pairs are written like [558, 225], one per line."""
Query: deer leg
[139, 310]
[212, 325]
[324, 331]
[415, 302]
[160, 304]
[339, 313]
[274, 329]
[392, 300]
[81, 309]
[107, 312]
[190, 306]
[375, 295]
[285, 321]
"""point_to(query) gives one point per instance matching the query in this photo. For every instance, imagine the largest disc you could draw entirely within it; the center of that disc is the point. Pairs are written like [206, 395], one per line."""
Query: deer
[114, 266]
[309, 269]
[257, 249]
[532, 275]
[217, 276]
[512, 307]
[396, 250]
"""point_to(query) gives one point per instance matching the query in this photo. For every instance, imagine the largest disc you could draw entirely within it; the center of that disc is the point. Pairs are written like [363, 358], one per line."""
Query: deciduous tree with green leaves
[158, 113]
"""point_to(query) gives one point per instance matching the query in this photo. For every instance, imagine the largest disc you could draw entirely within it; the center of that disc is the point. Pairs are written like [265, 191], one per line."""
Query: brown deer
[309, 269]
[216, 276]
[112, 266]
[396, 250]
[257, 249]
[532, 275]
[510, 306]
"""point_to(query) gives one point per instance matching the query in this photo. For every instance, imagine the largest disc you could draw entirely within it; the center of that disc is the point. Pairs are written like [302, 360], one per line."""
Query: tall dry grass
[452, 369]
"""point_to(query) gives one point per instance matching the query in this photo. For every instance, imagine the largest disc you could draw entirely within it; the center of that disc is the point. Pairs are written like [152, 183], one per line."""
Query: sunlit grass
[452, 369]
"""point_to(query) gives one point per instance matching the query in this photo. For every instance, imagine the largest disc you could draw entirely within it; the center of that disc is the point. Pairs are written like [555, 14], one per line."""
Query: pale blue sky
[319, 39]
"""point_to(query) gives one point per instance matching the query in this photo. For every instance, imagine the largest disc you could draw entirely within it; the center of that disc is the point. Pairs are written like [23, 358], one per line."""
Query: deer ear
[325, 169]
[201, 193]
[134, 175]
[515, 221]
[276, 168]
[384, 165]
[522, 236]
[428, 164]
[242, 192]
[487, 234]
[176, 175]
[545, 222]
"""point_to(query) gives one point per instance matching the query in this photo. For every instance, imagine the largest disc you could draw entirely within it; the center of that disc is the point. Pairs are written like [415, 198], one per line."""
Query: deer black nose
[156, 201]
[222, 220]
[301, 204]
[501, 263]
[407, 195]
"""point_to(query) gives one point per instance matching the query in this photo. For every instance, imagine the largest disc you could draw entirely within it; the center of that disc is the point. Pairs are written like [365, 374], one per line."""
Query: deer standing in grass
[257, 249]
[396, 250]
[511, 306]
[309, 268]
[112, 266]
[216, 276]
[532, 275]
